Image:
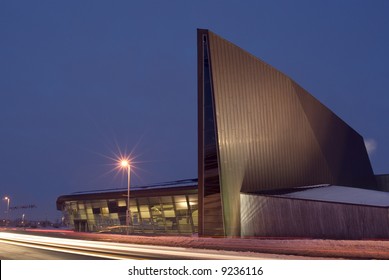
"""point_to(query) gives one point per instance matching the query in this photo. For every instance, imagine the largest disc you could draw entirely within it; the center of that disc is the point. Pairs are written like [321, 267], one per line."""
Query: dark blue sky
[81, 81]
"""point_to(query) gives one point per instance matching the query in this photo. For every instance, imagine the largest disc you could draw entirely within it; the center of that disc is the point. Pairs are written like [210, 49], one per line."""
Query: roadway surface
[9, 251]
[30, 246]
[79, 245]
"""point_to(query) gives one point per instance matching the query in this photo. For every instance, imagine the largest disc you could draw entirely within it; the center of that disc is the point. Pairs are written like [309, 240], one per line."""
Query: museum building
[272, 162]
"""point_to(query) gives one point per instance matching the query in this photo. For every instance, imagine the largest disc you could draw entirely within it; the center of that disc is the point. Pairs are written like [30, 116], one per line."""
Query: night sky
[82, 82]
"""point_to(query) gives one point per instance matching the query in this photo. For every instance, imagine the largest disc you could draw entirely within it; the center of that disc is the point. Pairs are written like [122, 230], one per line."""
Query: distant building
[383, 182]
[272, 161]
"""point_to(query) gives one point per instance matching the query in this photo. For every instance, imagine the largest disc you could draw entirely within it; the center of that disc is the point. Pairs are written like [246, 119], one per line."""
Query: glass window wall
[153, 215]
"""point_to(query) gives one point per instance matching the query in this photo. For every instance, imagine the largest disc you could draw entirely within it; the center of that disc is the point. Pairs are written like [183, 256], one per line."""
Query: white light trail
[112, 250]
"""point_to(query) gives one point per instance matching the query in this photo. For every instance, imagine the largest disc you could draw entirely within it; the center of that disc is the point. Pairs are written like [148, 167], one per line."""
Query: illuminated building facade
[168, 208]
[260, 132]
[272, 161]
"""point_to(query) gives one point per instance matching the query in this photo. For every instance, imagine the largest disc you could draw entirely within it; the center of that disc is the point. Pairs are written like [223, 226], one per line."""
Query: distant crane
[30, 206]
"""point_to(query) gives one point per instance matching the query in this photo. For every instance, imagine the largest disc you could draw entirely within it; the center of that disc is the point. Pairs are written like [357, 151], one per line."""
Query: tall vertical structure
[260, 131]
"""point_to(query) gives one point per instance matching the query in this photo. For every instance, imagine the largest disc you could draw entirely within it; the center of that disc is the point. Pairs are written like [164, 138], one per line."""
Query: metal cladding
[315, 219]
[259, 131]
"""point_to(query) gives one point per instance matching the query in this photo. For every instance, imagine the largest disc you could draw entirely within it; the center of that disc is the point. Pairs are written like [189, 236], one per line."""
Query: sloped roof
[338, 194]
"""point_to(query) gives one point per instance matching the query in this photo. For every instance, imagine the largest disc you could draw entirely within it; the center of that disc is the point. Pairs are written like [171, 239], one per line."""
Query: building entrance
[81, 225]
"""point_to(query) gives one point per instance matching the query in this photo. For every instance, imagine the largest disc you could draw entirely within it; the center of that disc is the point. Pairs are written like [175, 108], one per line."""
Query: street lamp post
[125, 164]
[8, 199]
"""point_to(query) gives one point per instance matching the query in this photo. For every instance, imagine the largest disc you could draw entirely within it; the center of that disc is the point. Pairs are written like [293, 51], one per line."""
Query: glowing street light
[8, 199]
[124, 163]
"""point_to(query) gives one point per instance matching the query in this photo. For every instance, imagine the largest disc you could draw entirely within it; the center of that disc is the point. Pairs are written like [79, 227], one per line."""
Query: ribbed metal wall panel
[200, 128]
[342, 147]
[211, 210]
[272, 134]
[266, 216]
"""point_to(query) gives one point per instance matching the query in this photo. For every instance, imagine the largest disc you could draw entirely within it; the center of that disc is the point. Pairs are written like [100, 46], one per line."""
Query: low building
[167, 208]
[321, 211]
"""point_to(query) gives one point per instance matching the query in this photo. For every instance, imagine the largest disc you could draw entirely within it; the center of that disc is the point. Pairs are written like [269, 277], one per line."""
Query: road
[27, 247]
[11, 251]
